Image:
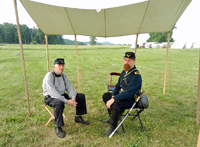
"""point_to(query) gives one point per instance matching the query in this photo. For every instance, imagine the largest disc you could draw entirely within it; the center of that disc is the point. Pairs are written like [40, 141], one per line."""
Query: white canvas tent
[150, 16]
[145, 17]
[185, 45]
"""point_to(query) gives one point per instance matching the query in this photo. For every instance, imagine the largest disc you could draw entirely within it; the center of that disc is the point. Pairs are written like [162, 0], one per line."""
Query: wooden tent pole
[136, 43]
[47, 52]
[77, 63]
[198, 142]
[22, 57]
[166, 62]
[198, 99]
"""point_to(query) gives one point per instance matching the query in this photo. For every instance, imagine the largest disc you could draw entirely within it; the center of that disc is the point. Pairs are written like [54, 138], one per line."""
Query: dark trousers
[117, 105]
[58, 107]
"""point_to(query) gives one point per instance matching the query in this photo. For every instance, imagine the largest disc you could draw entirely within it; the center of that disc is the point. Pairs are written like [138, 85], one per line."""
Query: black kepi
[130, 55]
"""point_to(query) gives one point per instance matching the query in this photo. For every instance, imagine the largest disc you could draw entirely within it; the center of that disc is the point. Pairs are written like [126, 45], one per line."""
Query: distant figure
[128, 86]
[192, 45]
[54, 85]
[184, 47]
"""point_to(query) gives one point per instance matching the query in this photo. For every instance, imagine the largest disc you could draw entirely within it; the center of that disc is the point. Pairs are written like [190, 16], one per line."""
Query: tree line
[9, 34]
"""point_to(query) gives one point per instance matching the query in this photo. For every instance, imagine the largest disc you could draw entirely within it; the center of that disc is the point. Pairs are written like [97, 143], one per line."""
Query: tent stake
[166, 62]
[77, 64]
[136, 43]
[22, 57]
[47, 52]
[198, 99]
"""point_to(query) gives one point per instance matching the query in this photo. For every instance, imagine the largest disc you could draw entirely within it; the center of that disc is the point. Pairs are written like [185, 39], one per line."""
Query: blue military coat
[128, 85]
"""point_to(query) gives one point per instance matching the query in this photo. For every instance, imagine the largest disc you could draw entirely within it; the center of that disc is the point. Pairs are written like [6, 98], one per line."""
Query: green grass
[169, 121]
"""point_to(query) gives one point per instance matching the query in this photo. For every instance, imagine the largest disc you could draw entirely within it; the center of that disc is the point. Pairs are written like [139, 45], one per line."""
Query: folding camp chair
[134, 115]
[112, 87]
[141, 103]
[52, 116]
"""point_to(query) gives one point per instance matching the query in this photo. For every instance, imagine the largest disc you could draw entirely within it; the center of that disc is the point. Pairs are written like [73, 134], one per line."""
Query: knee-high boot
[115, 115]
[109, 119]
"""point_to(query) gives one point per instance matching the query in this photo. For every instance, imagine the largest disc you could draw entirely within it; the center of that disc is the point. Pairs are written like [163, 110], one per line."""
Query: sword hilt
[138, 98]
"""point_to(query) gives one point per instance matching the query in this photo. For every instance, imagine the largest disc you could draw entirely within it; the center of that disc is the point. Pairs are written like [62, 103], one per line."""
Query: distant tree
[33, 32]
[25, 33]
[9, 33]
[1, 33]
[93, 40]
[159, 37]
[1, 39]
[52, 39]
[40, 37]
[34, 41]
[55, 39]
[16, 37]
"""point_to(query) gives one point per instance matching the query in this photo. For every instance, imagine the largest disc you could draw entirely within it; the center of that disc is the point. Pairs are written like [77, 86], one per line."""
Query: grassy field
[169, 121]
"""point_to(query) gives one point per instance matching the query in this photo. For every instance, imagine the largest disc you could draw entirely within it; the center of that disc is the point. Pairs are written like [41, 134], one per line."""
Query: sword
[136, 100]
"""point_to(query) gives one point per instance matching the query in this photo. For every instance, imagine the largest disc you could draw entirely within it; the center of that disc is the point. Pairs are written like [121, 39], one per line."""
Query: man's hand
[73, 99]
[110, 102]
[72, 102]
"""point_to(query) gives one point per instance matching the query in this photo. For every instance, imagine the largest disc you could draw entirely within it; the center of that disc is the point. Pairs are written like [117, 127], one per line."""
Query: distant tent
[184, 45]
[179, 45]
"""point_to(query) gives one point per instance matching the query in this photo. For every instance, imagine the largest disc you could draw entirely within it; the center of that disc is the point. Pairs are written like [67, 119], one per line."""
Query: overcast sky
[188, 25]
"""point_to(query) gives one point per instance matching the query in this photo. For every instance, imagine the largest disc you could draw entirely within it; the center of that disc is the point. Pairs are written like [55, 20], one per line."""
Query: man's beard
[127, 67]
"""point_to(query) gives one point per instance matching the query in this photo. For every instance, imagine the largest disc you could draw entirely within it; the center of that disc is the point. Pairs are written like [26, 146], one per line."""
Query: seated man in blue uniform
[129, 84]
[54, 85]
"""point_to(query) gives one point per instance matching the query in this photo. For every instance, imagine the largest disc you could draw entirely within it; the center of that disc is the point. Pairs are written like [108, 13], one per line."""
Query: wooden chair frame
[111, 87]
[52, 116]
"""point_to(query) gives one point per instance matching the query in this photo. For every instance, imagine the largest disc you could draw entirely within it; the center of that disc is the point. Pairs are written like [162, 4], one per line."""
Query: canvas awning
[145, 17]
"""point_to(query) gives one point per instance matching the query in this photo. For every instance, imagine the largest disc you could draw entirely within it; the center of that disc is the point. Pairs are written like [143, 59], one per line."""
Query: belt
[47, 96]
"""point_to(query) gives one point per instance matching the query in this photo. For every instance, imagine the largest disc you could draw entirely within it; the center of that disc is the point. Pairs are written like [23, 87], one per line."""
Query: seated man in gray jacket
[54, 85]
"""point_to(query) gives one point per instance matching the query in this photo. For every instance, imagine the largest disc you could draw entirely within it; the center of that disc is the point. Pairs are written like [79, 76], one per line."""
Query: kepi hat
[130, 55]
[59, 61]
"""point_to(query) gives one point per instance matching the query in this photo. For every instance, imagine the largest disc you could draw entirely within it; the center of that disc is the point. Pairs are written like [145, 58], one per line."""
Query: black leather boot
[108, 120]
[59, 132]
[115, 115]
[79, 119]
